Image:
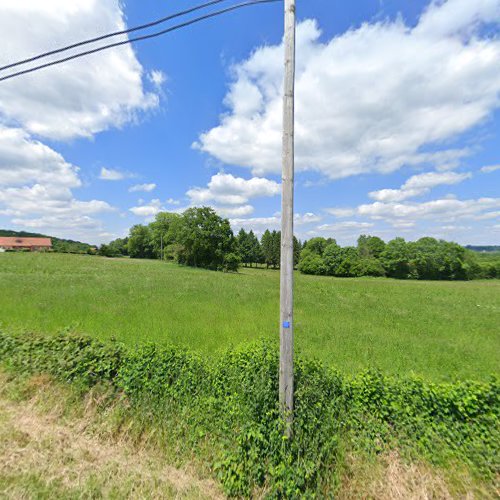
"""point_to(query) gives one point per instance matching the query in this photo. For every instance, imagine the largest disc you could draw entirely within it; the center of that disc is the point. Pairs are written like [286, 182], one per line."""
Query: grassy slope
[436, 329]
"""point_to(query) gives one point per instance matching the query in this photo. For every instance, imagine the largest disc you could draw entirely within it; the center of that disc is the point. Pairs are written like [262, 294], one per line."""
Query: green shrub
[232, 403]
[67, 357]
[232, 262]
[311, 263]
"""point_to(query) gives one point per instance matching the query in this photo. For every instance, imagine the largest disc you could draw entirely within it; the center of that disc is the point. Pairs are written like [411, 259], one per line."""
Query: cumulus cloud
[446, 209]
[260, 224]
[147, 188]
[369, 100]
[148, 210]
[24, 160]
[230, 195]
[419, 185]
[53, 207]
[78, 98]
[36, 186]
[112, 174]
[229, 190]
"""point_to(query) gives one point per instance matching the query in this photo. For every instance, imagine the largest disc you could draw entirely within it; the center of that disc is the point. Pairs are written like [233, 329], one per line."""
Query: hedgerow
[231, 402]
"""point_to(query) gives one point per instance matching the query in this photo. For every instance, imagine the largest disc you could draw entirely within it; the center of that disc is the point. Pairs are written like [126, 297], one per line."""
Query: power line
[138, 39]
[110, 35]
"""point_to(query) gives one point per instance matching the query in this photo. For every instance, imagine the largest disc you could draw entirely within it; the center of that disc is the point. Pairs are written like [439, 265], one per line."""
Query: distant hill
[484, 248]
[58, 244]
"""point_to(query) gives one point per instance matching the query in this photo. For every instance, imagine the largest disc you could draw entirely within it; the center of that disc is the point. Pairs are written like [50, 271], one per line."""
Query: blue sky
[397, 120]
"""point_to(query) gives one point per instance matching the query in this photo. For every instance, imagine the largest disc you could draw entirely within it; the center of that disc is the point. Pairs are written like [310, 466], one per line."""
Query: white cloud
[111, 174]
[457, 17]
[234, 211]
[78, 98]
[308, 218]
[260, 224]
[50, 208]
[171, 201]
[229, 195]
[419, 185]
[148, 210]
[345, 226]
[490, 168]
[437, 210]
[157, 78]
[369, 100]
[229, 190]
[147, 188]
[341, 212]
[36, 187]
[24, 161]
[448, 217]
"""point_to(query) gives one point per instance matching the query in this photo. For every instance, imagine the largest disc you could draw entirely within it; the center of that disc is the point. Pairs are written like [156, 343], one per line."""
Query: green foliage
[232, 262]
[271, 248]
[163, 233]
[116, 248]
[488, 264]
[67, 357]
[249, 247]
[297, 248]
[139, 245]
[425, 259]
[370, 246]
[396, 259]
[318, 245]
[369, 267]
[340, 261]
[204, 238]
[311, 263]
[232, 403]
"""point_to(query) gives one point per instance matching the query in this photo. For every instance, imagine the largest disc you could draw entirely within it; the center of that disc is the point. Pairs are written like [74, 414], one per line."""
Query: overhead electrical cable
[138, 39]
[110, 35]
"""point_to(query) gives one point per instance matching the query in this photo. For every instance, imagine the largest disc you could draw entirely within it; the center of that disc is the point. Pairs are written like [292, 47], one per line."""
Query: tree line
[199, 237]
[424, 259]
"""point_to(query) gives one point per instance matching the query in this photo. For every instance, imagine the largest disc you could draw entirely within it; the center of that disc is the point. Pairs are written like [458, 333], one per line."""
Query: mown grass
[440, 330]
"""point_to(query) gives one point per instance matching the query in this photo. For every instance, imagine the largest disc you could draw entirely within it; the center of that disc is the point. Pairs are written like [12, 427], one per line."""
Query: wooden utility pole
[286, 268]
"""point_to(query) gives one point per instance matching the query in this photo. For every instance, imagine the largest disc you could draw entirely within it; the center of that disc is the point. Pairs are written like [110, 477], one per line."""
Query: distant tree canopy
[140, 242]
[426, 258]
[201, 238]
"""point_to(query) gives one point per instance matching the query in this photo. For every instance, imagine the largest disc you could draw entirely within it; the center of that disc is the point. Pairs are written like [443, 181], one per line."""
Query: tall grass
[440, 330]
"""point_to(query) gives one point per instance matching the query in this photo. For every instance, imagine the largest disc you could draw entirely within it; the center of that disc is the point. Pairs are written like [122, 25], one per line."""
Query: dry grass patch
[391, 477]
[44, 455]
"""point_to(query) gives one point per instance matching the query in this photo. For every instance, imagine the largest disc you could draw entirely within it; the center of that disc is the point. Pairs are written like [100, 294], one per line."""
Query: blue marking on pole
[286, 324]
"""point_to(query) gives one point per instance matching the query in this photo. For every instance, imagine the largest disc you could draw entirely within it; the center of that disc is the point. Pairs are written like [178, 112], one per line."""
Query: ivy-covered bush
[231, 401]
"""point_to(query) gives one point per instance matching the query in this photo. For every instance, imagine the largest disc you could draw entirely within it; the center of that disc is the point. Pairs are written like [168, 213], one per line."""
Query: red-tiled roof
[14, 241]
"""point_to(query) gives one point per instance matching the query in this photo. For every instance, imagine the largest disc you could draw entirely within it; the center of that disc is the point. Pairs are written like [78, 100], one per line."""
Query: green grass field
[440, 330]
